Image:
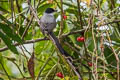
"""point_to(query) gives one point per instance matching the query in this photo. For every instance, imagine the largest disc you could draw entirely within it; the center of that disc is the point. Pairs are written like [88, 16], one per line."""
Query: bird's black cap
[50, 10]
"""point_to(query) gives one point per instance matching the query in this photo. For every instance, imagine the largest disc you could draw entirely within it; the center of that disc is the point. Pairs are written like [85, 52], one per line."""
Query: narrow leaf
[5, 20]
[109, 56]
[4, 10]
[9, 32]
[8, 42]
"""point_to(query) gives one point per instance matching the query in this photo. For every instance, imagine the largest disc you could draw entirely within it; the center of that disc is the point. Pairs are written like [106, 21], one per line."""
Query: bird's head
[50, 11]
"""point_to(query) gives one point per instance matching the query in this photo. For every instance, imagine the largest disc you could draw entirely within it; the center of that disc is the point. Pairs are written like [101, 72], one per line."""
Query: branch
[5, 71]
[73, 32]
[64, 35]
[51, 36]
[61, 23]
[80, 14]
[82, 30]
[115, 21]
[25, 42]
[40, 39]
[26, 29]
[18, 8]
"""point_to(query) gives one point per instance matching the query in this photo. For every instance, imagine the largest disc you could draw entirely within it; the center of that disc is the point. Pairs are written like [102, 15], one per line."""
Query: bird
[47, 23]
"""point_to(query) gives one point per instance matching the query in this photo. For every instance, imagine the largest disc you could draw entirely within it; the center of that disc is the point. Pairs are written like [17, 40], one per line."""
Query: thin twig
[43, 67]
[61, 23]
[80, 15]
[64, 35]
[18, 8]
[115, 54]
[12, 9]
[81, 24]
[73, 32]
[95, 48]
[26, 29]
[50, 37]
[25, 42]
[71, 47]
[19, 69]
[5, 71]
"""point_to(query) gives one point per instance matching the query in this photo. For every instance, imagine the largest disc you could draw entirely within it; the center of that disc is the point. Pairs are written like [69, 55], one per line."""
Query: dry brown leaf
[31, 66]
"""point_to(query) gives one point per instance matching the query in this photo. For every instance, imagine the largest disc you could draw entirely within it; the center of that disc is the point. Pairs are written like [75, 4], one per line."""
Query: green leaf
[43, 7]
[90, 44]
[4, 10]
[5, 20]
[1, 58]
[72, 37]
[72, 11]
[9, 32]
[1, 78]
[109, 56]
[8, 42]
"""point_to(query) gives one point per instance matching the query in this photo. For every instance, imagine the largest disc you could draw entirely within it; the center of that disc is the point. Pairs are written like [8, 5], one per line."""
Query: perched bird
[47, 23]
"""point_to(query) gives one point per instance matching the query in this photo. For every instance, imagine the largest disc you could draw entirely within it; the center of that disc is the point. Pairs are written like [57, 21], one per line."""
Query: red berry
[64, 17]
[90, 64]
[59, 74]
[80, 39]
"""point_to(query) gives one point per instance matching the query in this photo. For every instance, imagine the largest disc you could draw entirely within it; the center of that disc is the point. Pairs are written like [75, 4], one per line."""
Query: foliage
[96, 57]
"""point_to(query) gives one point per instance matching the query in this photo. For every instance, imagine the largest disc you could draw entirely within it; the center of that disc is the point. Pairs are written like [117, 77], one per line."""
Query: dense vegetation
[89, 30]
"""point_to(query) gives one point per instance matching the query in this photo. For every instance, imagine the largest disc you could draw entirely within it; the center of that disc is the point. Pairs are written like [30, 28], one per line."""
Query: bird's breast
[48, 19]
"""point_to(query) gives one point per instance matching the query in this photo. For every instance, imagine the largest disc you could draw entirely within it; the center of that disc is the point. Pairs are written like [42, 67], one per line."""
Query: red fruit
[90, 64]
[64, 17]
[80, 39]
[59, 74]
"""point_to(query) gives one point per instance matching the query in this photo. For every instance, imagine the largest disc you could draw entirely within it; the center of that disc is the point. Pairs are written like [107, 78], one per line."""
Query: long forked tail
[63, 52]
[58, 45]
